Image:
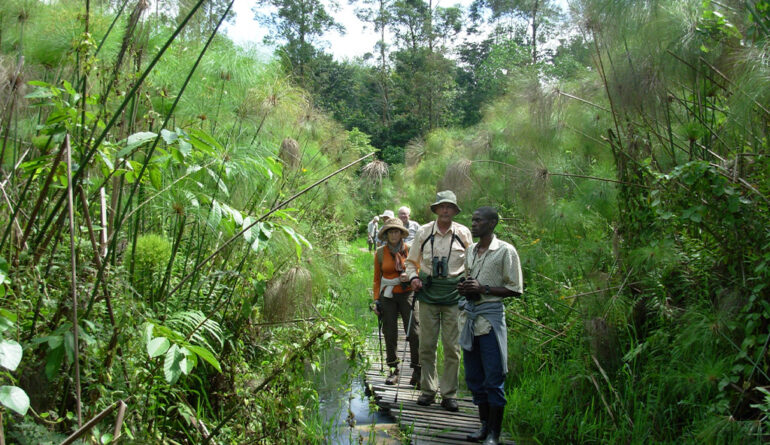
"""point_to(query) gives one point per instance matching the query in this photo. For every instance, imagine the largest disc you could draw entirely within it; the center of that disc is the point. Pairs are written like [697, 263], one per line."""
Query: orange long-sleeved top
[387, 270]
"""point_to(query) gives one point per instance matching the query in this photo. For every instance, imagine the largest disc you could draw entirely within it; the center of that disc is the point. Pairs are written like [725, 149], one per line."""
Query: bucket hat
[387, 214]
[445, 196]
[393, 223]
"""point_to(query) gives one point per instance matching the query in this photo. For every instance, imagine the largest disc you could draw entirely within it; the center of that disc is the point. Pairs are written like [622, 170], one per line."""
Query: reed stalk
[73, 277]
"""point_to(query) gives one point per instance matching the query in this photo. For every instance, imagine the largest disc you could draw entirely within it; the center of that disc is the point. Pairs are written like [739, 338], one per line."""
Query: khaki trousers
[435, 318]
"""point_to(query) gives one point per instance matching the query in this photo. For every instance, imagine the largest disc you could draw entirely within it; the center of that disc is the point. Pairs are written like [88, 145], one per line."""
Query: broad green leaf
[185, 147]
[40, 83]
[215, 216]
[257, 245]
[40, 93]
[148, 328]
[14, 398]
[53, 362]
[107, 161]
[141, 138]
[4, 268]
[5, 324]
[206, 355]
[247, 234]
[265, 230]
[298, 239]
[169, 136]
[10, 354]
[157, 346]
[8, 314]
[155, 178]
[204, 141]
[171, 368]
[69, 346]
[188, 362]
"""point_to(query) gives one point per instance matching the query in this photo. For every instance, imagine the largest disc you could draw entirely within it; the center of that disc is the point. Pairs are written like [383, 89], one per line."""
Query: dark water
[346, 412]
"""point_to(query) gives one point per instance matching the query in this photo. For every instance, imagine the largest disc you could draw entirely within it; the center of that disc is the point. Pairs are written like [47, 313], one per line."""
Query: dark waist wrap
[441, 291]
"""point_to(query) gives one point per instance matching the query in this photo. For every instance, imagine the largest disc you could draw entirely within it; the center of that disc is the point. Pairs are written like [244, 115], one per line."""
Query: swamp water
[345, 411]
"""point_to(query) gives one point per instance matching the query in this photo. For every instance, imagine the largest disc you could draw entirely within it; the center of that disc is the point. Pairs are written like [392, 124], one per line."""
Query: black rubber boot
[494, 425]
[481, 434]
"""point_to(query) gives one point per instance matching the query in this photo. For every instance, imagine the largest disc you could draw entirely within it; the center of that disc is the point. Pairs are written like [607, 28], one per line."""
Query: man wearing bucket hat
[393, 297]
[434, 266]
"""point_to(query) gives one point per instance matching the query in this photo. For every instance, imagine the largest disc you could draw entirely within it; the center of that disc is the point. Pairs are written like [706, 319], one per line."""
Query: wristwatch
[486, 289]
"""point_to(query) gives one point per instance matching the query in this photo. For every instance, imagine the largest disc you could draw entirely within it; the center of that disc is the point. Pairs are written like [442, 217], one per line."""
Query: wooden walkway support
[424, 424]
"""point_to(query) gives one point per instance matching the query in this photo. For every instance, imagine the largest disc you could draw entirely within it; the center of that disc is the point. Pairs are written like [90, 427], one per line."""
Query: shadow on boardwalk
[423, 424]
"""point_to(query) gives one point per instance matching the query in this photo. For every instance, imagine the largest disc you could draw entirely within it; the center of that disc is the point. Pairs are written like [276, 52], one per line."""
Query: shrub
[148, 263]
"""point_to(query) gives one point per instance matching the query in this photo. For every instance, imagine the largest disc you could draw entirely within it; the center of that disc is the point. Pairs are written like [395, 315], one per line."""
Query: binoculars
[440, 267]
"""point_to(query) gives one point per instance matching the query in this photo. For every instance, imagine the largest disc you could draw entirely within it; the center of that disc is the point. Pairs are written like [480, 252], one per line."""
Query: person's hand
[461, 287]
[416, 284]
[471, 289]
[377, 307]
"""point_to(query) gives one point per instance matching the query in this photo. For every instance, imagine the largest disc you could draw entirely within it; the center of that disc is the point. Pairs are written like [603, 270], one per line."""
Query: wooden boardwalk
[424, 424]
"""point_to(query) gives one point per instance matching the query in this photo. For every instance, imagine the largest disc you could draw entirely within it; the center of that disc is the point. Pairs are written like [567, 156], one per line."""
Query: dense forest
[180, 214]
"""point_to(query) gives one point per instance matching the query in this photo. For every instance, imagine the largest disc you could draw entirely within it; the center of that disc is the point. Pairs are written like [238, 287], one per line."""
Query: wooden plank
[428, 425]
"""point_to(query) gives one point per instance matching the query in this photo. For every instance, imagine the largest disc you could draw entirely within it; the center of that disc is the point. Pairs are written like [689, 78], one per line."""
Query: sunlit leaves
[14, 398]
[181, 341]
[157, 346]
[298, 239]
[10, 354]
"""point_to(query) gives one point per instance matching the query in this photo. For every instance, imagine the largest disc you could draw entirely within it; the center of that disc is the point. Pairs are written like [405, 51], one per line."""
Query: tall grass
[181, 134]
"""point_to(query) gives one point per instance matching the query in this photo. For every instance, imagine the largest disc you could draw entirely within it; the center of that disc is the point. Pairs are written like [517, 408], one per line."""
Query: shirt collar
[436, 230]
[493, 245]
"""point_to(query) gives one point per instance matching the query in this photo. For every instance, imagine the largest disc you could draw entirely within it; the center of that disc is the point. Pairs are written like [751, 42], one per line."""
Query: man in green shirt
[434, 266]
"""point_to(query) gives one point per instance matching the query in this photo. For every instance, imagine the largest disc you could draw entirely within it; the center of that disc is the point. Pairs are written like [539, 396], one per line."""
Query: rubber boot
[494, 425]
[481, 434]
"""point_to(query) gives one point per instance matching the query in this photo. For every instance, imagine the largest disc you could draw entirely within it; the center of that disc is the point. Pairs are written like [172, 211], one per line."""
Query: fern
[185, 337]
[197, 328]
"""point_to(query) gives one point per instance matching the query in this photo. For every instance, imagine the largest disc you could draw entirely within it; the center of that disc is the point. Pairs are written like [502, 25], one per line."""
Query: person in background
[371, 233]
[412, 226]
[435, 265]
[386, 215]
[492, 272]
[394, 297]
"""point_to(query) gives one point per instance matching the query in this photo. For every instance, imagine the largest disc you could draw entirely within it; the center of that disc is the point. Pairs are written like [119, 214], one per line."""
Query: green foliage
[148, 262]
[11, 397]
[182, 340]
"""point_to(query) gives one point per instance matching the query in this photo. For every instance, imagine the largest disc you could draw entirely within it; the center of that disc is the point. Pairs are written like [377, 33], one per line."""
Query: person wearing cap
[371, 232]
[386, 215]
[403, 214]
[492, 272]
[394, 297]
[434, 266]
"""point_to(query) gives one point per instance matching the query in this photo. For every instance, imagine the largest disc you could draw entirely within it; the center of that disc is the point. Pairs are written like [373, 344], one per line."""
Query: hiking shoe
[392, 378]
[415, 380]
[450, 404]
[425, 399]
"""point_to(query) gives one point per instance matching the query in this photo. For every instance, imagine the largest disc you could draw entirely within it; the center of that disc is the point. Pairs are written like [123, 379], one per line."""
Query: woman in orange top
[393, 296]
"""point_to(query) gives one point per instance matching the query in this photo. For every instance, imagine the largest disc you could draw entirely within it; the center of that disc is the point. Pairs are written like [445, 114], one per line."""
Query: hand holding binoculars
[466, 288]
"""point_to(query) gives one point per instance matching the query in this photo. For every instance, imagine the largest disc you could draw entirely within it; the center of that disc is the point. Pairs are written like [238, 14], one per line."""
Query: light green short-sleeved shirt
[499, 266]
